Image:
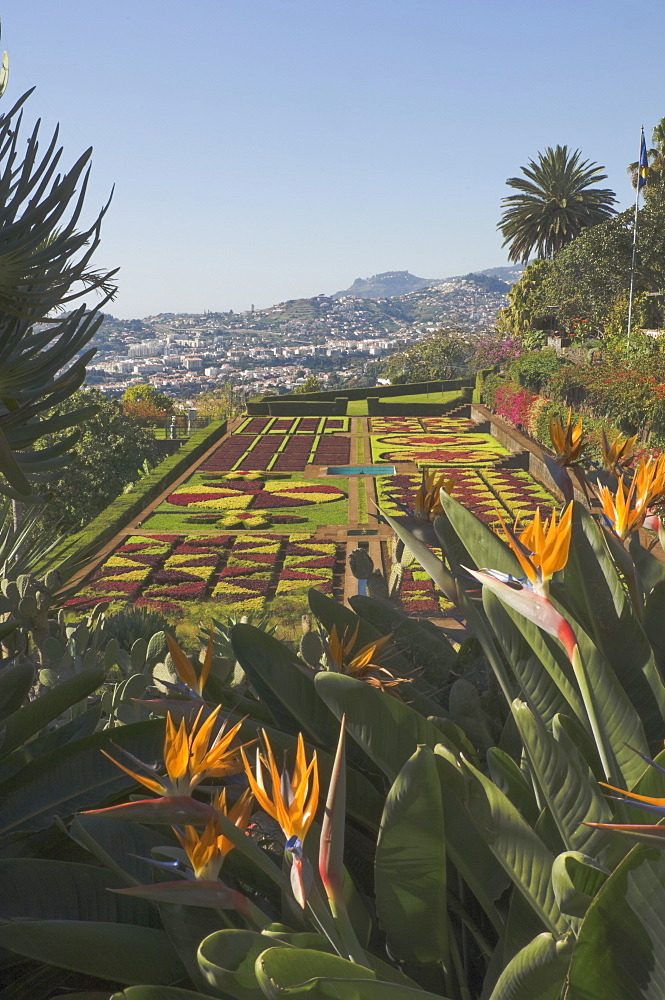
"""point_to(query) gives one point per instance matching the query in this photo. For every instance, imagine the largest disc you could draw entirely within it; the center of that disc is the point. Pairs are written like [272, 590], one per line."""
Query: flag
[643, 165]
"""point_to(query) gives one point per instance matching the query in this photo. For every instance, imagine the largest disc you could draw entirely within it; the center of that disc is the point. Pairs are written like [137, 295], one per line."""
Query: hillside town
[335, 338]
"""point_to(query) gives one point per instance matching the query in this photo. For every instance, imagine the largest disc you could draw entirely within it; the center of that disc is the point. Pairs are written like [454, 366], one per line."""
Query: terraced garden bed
[214, 501]
[231, 574]
[489, 493]
[435, 450]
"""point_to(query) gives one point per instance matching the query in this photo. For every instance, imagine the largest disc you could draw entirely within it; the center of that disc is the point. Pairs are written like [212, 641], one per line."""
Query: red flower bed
[226, 456]
[308, 425]
[333, 451]
[255, 426]
[187, 590]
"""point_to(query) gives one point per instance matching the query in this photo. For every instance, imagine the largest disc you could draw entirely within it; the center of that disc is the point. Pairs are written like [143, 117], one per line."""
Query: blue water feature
[360, 470]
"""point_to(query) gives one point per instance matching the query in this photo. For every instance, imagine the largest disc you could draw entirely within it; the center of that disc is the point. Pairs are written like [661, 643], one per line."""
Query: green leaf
[410, 866]
[42, 889]
[620, 950]
[594, 592]
[507, 776]
[120, 845]
[425, 646]
[516, 847]
[284, 684]
[465, 845]
[227, 959]
[388, 730]
[15, 682]
[120, 952]
[28, 720]
[538, 662]
[537, 972]
[330, 612]
[569, 788]
[75, 777]
[290, 972]
[153, 993]
[651, 570]
[10, 469]
[654, 622]
[484, 546]
[576, 879]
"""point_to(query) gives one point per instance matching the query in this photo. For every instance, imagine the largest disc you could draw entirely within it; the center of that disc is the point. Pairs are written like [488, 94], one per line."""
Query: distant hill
[390, 284]
[385, 285]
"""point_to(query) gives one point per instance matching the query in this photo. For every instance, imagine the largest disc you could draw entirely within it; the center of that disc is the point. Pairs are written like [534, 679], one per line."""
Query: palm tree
[655, 186]
[556, 201]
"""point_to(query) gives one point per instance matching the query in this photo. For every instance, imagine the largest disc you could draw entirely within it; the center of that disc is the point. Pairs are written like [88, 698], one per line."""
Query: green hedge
[406, 389]
[71, 551]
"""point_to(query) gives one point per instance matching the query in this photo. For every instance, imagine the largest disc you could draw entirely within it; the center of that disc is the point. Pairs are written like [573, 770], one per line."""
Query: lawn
[356, 408]
[423, 397]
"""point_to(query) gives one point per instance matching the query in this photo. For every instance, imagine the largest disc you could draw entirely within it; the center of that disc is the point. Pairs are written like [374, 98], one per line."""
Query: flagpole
[632, 261]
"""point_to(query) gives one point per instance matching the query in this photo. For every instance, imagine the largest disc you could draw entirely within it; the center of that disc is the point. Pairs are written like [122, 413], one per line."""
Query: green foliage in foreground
[455, 856]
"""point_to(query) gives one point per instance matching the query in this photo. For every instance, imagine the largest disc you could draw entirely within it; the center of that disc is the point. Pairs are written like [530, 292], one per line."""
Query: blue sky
[263, 150]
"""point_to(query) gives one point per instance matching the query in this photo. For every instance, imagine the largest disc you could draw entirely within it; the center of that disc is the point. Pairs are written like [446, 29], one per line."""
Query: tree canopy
[108, 455]
[556, 200]
[441, 356]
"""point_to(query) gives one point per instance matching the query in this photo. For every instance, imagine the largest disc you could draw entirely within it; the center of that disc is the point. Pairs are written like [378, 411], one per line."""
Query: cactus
[377, 586]
[361, 564]
[311, 648]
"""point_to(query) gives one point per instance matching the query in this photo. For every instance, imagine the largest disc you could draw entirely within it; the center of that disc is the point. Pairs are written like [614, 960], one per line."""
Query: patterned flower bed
[437, 449]
[295, 454]
[125, 572]
[254, 425]
[251, 501]
[233, 573]
[227, 455]
[333, 451]
[395, 425]
[446, 425]
[307, 564]
[488, 493]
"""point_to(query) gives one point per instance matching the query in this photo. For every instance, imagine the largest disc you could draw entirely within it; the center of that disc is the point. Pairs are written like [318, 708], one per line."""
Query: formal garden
[272, 725]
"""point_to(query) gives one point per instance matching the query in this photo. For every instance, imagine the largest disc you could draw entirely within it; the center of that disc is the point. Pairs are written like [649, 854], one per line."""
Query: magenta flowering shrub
[514, 403]
[491, 351]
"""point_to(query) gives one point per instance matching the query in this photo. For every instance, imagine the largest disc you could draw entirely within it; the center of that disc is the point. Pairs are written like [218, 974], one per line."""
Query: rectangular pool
[360, 470]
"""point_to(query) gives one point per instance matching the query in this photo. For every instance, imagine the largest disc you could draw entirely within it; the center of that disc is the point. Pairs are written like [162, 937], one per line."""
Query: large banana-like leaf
[28, 720]
[654, 623]
[576, 879]
[507, 776]
[537, 972]
[593, 591]
[466, 846]
[123, 953]
[485, 547]
[74, 777]
[15, 682]
[387, 730]
[150, 993]
[227, 959]
[120, 846]
[42, 889]
[516, 847]
[569, 788]
[284, 683]
[294, 971]
[537, 661]
[410, 866]
[620, 950]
